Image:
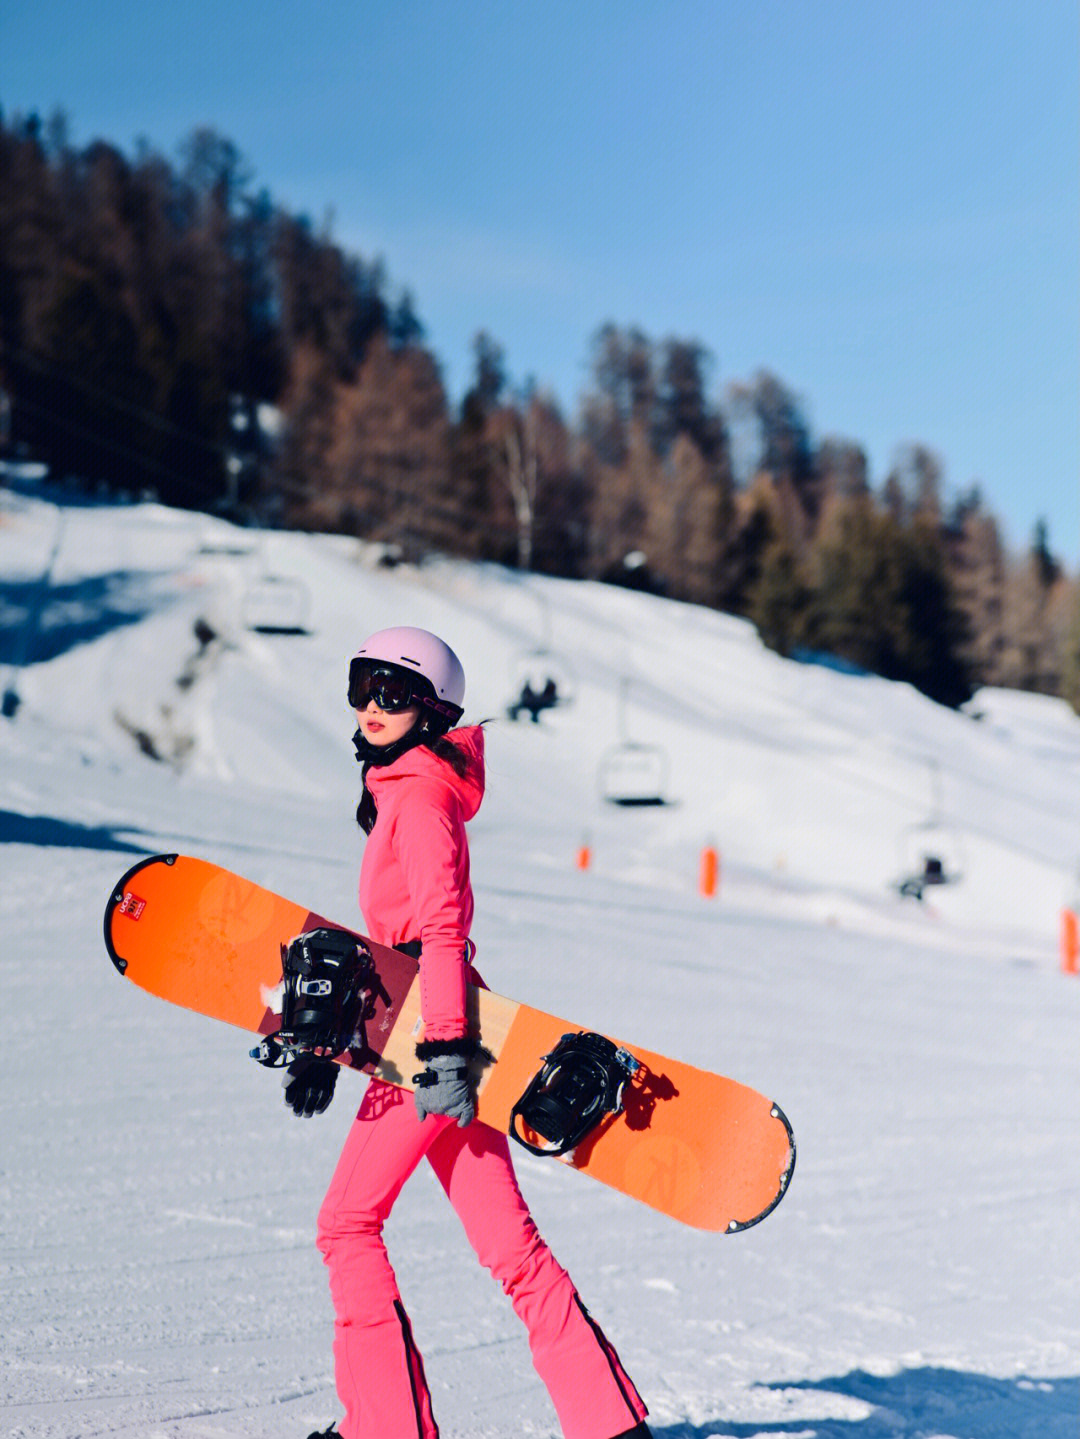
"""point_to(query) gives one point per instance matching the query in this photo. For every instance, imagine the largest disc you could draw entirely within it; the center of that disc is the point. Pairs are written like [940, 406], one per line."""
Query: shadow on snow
[40, 829]
[39, 622]
[913, 1404]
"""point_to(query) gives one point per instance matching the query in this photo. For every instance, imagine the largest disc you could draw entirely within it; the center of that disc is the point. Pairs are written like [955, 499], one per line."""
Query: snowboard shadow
[908, 1405]
[50, 833]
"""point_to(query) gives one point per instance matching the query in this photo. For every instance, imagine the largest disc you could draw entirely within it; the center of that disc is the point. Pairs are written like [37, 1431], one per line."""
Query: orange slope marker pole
[709, 872]
[1070, 942]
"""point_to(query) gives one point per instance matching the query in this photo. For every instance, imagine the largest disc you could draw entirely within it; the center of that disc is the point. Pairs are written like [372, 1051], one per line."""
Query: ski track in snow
[158, 1203]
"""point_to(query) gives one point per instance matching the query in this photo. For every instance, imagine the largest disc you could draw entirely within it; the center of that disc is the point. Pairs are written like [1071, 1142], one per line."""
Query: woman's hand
[445, 1086]
[309, 1084]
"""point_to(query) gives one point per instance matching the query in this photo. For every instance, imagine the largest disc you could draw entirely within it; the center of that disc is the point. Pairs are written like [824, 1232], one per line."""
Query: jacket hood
[421, 763]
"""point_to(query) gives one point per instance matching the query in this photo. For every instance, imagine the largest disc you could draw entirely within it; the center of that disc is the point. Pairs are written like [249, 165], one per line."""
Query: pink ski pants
[379, 1372]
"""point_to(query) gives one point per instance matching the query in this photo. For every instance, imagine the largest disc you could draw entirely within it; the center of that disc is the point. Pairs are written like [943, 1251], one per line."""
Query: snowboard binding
[581, 1082]
[329, 979]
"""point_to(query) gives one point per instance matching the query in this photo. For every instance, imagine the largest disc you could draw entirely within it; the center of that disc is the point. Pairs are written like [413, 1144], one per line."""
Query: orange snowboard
[702, 1148]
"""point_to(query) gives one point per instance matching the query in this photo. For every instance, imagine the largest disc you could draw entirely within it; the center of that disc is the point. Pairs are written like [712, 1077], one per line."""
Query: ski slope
[919, 1281]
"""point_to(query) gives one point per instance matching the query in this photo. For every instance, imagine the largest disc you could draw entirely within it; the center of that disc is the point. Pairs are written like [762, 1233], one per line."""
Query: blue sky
[878, 204]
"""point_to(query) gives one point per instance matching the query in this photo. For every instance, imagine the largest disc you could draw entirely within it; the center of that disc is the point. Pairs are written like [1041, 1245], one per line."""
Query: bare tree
[521, 467]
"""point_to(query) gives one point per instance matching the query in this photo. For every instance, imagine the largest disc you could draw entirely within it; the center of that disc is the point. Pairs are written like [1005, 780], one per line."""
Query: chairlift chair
[930, 856]
[277, 605]
[930, 852]
[632, 773]
[541, 681]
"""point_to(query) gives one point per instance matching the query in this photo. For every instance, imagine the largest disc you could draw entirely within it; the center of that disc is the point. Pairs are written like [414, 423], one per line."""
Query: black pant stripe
[609, 1355]
[415, 1365]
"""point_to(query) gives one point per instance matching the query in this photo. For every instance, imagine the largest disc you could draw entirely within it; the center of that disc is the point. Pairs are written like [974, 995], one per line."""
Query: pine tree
[781, 598]
[882, 600]
[1031, 653]
[1070, 663]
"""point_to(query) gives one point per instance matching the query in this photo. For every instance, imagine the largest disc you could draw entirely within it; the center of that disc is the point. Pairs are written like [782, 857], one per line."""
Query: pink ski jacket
[414, 877]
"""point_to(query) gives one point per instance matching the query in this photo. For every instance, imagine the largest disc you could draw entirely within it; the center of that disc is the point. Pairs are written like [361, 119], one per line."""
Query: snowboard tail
[700, 1147]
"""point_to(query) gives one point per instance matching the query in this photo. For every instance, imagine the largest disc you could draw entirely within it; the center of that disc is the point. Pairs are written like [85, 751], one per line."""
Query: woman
[421, 783]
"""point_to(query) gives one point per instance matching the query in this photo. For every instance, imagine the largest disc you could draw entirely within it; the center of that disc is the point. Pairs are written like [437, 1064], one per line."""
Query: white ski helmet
[421, 653]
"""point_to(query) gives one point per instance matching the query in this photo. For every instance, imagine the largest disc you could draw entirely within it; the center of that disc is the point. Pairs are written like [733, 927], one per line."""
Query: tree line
[153, 314]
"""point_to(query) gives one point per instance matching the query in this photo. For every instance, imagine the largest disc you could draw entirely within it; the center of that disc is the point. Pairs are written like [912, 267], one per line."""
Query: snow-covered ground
[159, 1277]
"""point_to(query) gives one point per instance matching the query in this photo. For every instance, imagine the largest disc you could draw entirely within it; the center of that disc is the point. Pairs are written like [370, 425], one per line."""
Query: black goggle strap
[442, 707]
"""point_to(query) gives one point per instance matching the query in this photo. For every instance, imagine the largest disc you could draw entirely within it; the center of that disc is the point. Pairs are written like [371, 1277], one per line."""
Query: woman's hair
[447, 750]
[439, 745]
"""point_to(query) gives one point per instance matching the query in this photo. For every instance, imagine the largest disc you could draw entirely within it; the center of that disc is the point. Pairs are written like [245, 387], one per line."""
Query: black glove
[309, 1084]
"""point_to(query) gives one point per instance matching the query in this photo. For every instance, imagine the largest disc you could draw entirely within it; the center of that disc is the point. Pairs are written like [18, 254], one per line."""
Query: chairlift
[929, 870]
[631, 772]
[541, 681]
[277, 605]
[930, 852]
[224, 549]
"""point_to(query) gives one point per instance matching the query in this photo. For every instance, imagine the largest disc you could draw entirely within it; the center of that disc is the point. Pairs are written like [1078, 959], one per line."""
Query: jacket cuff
[460, 1048]
[464, 1048]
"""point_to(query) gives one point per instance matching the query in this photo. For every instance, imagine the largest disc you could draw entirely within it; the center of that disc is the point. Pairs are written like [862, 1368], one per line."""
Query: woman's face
[381, 728]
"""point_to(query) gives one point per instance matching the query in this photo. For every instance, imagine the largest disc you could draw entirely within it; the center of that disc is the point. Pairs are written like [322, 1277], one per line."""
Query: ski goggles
[393, 689]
